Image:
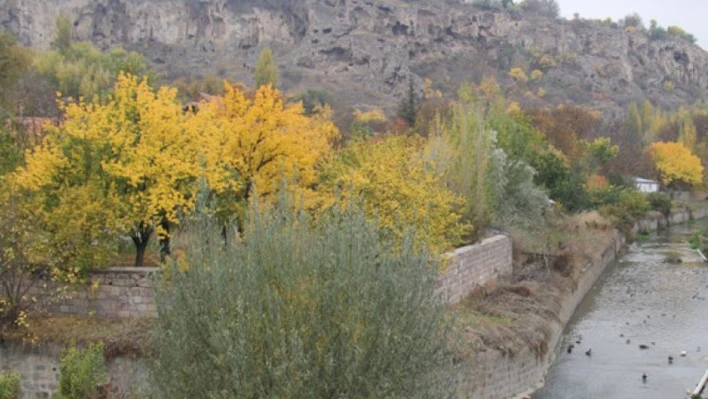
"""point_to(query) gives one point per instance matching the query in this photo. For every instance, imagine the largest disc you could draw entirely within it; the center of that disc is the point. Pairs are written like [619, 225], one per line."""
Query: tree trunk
[165, 240]
[141, 237]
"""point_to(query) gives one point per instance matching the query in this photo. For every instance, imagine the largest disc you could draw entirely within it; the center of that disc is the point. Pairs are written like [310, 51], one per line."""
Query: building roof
[641, 180]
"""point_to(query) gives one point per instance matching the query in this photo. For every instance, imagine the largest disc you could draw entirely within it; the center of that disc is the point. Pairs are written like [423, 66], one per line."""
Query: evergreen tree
[62, 39]
[409, 110]
[266, 71]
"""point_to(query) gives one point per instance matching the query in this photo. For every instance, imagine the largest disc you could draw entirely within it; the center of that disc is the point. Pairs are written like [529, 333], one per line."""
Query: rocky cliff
[365, 51]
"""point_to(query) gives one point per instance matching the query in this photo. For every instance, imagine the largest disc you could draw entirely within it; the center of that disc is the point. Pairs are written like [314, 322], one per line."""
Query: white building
[646, 185]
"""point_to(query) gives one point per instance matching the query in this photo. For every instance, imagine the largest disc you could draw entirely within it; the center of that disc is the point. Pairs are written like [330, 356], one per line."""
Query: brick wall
[113, 293]
[472, 267]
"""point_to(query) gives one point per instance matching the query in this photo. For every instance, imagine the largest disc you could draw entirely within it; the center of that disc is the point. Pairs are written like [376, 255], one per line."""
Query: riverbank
[511, 326]
[644, 300]
[510, 356]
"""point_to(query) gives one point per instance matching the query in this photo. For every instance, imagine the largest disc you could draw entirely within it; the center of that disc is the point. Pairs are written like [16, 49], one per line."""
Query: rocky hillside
[365, 51]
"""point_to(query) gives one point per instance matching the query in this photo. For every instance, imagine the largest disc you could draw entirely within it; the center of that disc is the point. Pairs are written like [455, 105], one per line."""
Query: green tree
[634, 120]
[14, 62]
[469, 144]
[63, 36]
[687, 134]
[296, 309]
[11, 150]
[563, 183]
[266, 70]
[408, 110]
[82, 70]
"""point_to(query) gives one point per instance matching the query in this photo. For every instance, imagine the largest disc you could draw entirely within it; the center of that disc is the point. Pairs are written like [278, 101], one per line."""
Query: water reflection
[643, 301]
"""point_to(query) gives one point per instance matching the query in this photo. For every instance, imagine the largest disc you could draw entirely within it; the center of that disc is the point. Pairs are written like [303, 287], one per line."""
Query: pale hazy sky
[688, 14]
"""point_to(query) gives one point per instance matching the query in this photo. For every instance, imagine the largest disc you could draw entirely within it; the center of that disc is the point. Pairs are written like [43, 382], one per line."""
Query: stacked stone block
[472, 267]
[117, 292]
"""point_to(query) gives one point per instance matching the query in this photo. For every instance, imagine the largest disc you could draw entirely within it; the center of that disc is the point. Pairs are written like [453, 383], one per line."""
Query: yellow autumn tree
[676, 165]
[518, 74]
[128, 160]
[398, 187]
[257, 141]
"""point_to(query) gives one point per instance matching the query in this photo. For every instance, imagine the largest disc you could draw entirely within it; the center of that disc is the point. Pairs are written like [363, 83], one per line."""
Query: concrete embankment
[494, 374]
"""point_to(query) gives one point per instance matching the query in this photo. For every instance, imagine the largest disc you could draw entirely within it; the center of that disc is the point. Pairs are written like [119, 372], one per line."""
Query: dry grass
[121, 337]
[518, 314]
[127, 259]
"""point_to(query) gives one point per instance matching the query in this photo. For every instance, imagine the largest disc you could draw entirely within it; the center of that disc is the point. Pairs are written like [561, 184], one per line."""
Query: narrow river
[643, 301]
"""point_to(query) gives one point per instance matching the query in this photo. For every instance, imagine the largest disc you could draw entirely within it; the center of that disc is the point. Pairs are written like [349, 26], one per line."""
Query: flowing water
[648, 302]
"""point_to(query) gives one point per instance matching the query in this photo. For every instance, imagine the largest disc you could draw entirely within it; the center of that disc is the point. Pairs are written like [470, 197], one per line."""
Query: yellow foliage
[428, 91]
[541, 92]
[547, 61]
[259, 142]
[536, 74]
[121, 165]
[676, 164]
[513, 108]
[518, 75]
[669, 86]
[399, 188]
[374, 115]
[488, 94]
[676, 30]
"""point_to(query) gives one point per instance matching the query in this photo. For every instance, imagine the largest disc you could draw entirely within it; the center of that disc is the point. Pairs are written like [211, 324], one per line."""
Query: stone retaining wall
[127, 291]
[656, 221]
[39, 372]
[113, 293]
[474, 266]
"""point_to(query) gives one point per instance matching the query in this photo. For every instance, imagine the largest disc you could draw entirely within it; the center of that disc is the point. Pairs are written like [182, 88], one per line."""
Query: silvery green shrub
[296, 308]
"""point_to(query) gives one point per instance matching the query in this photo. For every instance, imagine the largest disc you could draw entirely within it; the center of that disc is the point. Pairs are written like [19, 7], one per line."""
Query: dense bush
[633, 20]
[632, 205]
[564, 184]
[519, 202]
[548, 8]
[660, 202]
[698, 240]
[293, 309]
[10, 386]
[82, 372]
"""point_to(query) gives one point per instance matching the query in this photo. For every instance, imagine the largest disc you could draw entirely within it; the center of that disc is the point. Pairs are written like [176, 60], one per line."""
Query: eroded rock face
[369, 49]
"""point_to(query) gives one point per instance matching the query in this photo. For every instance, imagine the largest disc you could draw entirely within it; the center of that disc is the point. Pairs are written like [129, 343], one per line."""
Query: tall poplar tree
[266, 70]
